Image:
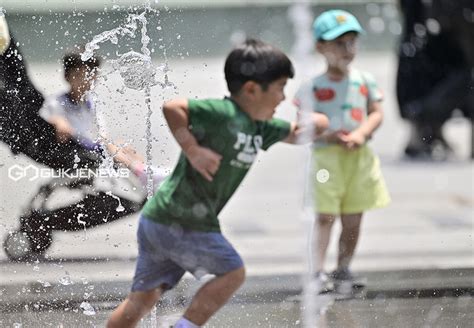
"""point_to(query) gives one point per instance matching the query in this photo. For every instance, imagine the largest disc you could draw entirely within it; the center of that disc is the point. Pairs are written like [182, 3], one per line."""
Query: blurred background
[423, 241]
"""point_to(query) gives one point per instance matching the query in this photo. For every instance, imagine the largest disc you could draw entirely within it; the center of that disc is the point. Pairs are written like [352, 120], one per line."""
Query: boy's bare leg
[213, 295]
[135, 307]
[324, 224]
[349, 238]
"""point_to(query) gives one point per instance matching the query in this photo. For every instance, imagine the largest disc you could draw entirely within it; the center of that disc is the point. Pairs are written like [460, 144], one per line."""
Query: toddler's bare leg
[133, 308]
[324, 225]
[349, 238]
[213, 295]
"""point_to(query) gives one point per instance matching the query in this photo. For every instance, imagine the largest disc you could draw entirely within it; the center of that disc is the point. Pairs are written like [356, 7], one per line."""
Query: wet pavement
[410, 298]
[380, 312]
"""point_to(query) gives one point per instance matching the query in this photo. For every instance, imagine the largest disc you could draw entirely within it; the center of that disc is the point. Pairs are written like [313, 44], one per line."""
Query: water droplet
[44, 283]
[200, 210]
[136, 70]
[433, 26]
[87, 308]
[322, 176]
[377, 24]
[66, 280]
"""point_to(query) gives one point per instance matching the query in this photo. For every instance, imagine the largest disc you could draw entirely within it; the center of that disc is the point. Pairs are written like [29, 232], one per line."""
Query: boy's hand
[204, 160]
[353, 140]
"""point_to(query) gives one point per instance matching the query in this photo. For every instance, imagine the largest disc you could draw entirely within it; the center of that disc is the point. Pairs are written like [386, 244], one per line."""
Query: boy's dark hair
[255, 60]
[72, 62]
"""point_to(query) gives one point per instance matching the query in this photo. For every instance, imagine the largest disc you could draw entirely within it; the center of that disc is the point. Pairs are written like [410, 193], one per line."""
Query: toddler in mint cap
[347, 176]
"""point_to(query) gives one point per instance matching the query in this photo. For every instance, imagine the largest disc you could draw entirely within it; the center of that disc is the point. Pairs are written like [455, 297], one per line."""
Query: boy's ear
[250, 87]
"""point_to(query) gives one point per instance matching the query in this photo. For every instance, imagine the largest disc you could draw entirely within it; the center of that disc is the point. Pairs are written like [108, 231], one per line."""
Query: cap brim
[337, 32]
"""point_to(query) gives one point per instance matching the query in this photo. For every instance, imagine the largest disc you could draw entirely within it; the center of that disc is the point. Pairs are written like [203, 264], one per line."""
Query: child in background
[347, 176]
[73, 116]
[179, 230]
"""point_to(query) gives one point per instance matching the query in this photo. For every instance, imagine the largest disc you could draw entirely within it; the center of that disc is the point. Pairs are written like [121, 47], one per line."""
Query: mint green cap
[332, 24]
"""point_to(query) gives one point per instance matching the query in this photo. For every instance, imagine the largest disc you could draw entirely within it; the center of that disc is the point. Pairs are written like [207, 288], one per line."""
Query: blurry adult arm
[364, 132]
[204, 160]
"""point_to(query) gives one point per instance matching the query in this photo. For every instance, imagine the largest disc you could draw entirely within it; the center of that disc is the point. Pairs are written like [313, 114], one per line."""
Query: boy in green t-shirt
[179, 230]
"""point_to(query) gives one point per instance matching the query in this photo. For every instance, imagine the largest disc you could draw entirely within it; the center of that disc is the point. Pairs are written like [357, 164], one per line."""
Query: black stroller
[96, 207]
[23, 131]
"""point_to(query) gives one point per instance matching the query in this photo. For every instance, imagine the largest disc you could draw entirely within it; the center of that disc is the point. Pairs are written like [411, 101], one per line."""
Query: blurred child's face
[339, 52]
[81, 79]
[267, 100]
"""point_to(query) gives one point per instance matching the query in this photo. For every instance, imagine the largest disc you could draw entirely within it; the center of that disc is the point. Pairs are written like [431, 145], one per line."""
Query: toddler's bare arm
[364, 132]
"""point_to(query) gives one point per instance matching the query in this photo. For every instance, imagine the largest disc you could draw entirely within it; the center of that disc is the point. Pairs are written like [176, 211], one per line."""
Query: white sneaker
[4, 34]
[323, 282]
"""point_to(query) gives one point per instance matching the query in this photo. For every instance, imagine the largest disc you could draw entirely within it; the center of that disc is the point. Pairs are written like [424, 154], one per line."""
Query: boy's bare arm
[204, 160]
[364, 132]
[317, 123]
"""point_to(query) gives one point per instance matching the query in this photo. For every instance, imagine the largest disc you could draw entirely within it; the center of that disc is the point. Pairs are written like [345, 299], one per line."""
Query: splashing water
[149, 172]
[87, 308]
[152, 315]
[66, 280]
[76, 160]
[44, 283]
[119, 208]
[300, 16]
[137, 72]
[79, 216]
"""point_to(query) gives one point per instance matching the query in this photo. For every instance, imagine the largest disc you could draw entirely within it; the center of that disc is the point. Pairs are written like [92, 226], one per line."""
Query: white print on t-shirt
[249, 146]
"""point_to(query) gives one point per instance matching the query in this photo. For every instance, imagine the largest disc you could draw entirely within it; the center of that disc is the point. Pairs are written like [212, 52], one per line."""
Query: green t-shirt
[186, 198]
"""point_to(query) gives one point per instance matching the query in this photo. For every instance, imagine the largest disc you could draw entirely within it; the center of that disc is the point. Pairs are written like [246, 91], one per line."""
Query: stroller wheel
[21, 246]
[17, 246]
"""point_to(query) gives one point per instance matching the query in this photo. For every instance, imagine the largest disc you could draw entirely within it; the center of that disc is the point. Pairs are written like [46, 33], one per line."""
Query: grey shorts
[165, 253]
